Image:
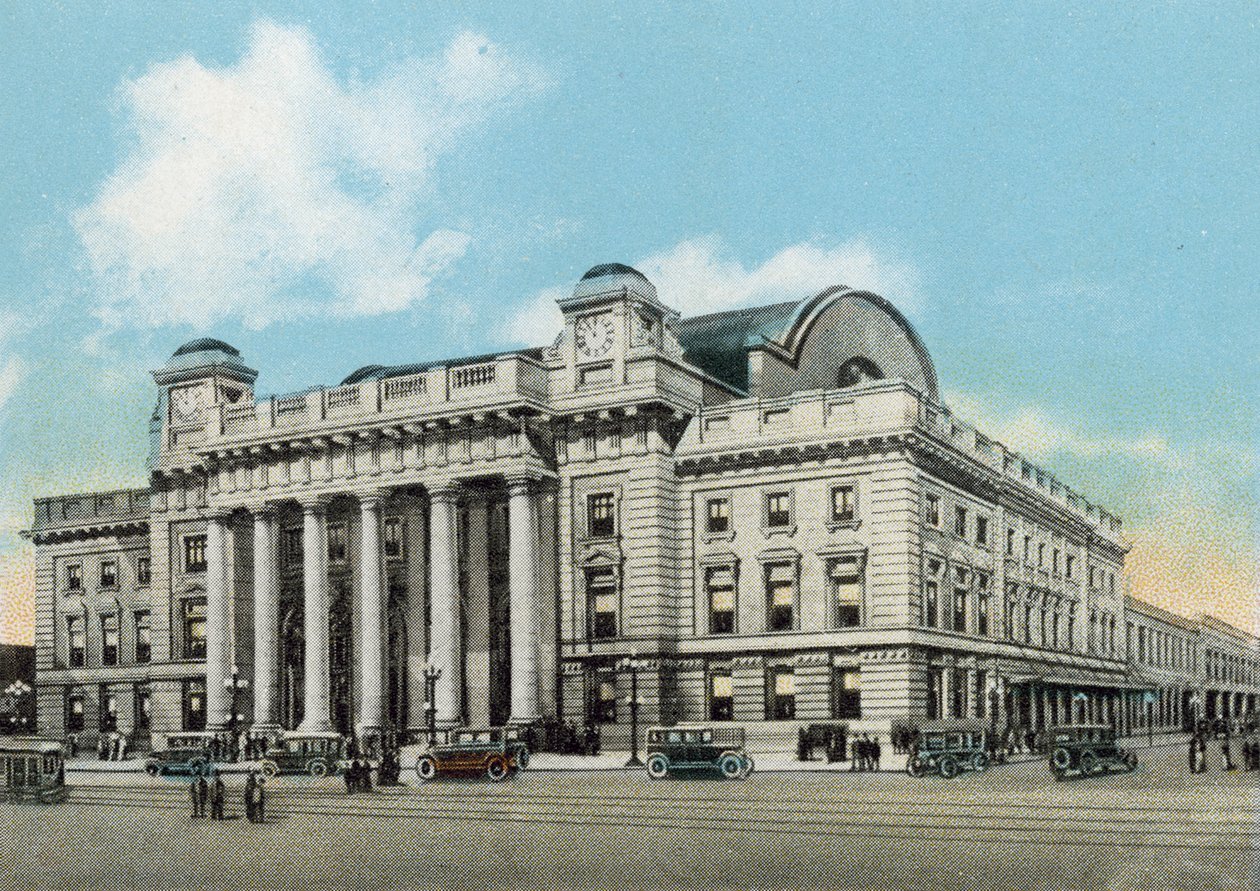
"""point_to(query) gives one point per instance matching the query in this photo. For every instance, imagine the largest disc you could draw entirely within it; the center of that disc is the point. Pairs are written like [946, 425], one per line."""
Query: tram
[32, 769]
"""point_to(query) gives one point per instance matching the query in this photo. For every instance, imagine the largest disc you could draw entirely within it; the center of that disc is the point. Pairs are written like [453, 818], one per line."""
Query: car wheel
[915, 767]
[317, 769]
[497, 768]
[426, 767]
[197, 766]
[522, 759]
[729, 766]
[1061, 759]
[152, 769]
[657, 766]
[269, 769]
[748, 767]
[979, 761]
[949, 768]
[1089, 762]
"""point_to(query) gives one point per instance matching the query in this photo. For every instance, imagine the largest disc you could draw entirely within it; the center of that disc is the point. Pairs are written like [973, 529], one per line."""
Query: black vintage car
[1085, 749]
[188, 752]
[697, 747]
[948, 747]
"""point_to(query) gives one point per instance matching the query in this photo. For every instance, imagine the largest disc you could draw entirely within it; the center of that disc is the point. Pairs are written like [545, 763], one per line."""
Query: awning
[1062, 678]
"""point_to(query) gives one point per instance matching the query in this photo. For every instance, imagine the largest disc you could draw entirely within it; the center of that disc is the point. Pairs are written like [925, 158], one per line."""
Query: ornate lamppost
[235, 684]
[632, 665]
[431, 675]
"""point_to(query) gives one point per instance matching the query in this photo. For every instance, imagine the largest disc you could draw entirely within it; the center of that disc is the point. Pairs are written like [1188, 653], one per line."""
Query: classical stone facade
[766, 514]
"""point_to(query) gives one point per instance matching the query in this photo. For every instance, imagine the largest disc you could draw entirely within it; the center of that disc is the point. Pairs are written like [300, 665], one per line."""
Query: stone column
[524, 608]
[316, 715]
[445, 652]
[371, 619]
[266, 622]
[477, 647]
[218, 622]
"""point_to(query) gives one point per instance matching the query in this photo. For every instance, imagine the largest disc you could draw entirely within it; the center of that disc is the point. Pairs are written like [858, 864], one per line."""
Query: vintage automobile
[498, 752]
[948, 747]
[188, 752]
[317, 754]
[697, 747]
[32, 769]
[1084, 749]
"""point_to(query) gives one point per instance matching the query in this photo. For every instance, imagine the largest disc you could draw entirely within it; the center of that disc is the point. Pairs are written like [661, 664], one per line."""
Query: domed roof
[604, 269]
[201, 344]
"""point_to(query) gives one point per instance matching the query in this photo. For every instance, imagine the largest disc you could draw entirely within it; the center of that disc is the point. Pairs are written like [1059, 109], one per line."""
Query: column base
[523, 721]
[324, 726]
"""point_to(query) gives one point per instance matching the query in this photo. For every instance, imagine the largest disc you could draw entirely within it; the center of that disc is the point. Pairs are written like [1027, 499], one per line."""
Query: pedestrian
[1227, 763]
[102, 747]
[351, 777]
[855, 759]
[194, 794]
[1194, 754]
[1201, 755]
[250, 783]
[365, 776]
[217, 795]
[260, 800]
[201, 793]
[874, 753]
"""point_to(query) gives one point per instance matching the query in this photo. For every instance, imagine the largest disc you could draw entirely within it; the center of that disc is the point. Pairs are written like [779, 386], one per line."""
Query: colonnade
[446, 644]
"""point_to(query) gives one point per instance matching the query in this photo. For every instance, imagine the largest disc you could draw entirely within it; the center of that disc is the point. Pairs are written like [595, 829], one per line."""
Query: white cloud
[270, 187]
[699, 276]
[12, 368]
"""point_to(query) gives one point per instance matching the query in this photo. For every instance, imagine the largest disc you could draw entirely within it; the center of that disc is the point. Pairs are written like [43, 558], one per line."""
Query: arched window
[857, 371]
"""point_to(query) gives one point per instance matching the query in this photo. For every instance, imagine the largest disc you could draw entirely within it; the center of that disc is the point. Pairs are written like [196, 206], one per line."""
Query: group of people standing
[214, 793]
[866, 753]
[1198, 753]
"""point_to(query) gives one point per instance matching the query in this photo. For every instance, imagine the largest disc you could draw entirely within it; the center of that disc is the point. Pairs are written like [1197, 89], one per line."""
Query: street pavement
[1010, 827]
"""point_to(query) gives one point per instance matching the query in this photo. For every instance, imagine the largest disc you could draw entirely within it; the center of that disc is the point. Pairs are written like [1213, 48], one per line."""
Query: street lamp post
[431, 675]
[633, 664]
[235, 684]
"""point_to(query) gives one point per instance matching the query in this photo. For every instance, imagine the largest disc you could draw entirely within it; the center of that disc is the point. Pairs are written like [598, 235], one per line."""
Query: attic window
[857, 371]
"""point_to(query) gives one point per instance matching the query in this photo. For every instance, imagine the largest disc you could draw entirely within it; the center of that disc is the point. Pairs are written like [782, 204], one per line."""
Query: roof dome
[202, 344]
[604, 269]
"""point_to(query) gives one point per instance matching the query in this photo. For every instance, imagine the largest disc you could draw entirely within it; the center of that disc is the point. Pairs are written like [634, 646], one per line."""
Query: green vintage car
[697, 747]
[948, 748]
[188, 752]
[1085, 749]
[317, 754]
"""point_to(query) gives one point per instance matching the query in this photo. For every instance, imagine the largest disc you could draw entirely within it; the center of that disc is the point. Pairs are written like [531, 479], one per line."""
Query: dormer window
[857, 371]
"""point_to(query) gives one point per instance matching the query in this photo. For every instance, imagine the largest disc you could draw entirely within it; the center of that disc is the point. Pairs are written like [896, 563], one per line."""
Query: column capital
[313, 504]
[264, 509]
[447, 493]
[371, 498]
[220, 514]
[521, 484]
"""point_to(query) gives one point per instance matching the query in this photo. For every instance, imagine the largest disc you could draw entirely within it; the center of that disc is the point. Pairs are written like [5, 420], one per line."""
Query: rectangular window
[981, 693]
[109, 639]
[144, 649]
[843, 504]
[599, 512]
[932, 511]
[780, 596]
[194, 553]
[109, 573]
[393, 538]
[982, 530]
[291, 546]
[718, 515]
[958, 694]
[74, 577]
[959, 623]
[109, 710]
[337, 550]
[1054, 561]
[144, 571]
[1069, 565]
[846, 703]
[844, 576]
[606, 697]
[932, 595]
[778, 510]
[74, 712]
[1012, 591]
[1010, 542]
[982, 604]
[1028, 613]
[782, 695]
[601, 594]
[76, 636]
[195, 704]
[721, 697]
[1041, 554]
[719, 582]
[144, 707]
[194, 621]
[960, 522]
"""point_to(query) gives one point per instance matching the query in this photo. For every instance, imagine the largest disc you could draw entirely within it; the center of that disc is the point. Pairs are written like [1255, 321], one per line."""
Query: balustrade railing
[472, 376]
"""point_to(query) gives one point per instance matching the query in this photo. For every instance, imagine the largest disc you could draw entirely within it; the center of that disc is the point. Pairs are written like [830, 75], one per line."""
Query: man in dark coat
[250, 782]
[1194, 753]
[874, 754]
[218, 794]
[194, 794]
[203, 794]
[260, 800]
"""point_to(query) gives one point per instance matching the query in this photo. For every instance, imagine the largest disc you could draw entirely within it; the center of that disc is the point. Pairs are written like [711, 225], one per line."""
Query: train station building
[764, 516]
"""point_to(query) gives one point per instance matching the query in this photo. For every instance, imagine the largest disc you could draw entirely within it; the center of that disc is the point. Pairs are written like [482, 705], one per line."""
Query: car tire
[747, 767]
[730, 766]
[1058, 774]
[1061, 759]
[979, 762]
[197, 766]
[1090, 762]
[426, 767]
[948, 767]
[658, 767]
[269, 769]
[1130, 761]
[152, 770]
[317, 769]
[915, 767]
[497, 769]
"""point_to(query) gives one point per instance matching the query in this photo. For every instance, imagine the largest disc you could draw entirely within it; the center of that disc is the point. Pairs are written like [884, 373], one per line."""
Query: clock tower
[613, 317]
[202, 375]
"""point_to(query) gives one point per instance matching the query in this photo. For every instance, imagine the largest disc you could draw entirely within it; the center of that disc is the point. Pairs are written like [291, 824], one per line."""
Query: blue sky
[1062, 199]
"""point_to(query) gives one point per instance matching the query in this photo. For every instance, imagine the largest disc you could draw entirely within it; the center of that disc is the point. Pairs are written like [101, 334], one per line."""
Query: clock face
[593, 336]
[186, 403]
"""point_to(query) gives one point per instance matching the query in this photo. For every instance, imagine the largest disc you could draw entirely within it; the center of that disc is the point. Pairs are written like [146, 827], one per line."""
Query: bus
[32, 769]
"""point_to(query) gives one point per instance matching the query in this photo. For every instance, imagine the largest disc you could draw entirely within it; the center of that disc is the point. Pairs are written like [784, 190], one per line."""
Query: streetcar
[32, 769]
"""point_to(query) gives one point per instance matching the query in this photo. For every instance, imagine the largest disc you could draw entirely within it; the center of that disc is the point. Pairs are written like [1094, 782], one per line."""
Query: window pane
[785, 684]
[781, 572]
[722, 687]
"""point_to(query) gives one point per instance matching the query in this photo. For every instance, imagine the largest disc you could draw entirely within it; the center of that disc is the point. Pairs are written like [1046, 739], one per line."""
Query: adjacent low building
[764, 516]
